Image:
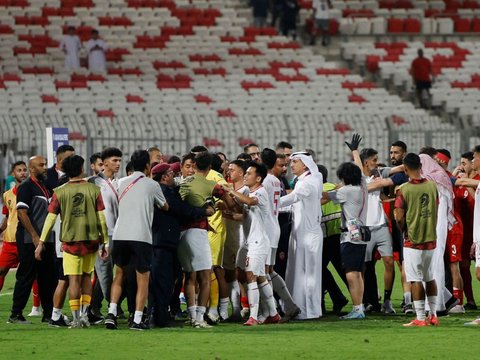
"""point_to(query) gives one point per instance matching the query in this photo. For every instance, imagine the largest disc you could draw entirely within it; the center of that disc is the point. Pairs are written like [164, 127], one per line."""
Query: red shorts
[453, 251]
[9, 255]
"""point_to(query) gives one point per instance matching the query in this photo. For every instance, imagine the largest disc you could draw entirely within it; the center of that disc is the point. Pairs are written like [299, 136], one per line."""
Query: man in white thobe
[71, 45]
[304, 265]
[96, 48]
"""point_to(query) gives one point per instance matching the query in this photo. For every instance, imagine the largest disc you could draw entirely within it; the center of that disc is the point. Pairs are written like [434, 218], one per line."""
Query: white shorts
[271, 257]
[256, 263]
[194, 251]
[477, 255]
[418, 264]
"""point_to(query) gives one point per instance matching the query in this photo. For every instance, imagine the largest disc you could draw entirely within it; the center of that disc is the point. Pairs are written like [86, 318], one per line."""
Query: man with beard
[398, 150]
[32, 210]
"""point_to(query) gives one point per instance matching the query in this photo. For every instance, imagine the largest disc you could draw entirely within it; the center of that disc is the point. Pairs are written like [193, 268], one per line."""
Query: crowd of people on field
[245, 240]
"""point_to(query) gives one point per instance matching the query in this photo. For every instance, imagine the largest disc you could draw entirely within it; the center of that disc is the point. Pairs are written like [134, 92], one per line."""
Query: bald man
[32, 208]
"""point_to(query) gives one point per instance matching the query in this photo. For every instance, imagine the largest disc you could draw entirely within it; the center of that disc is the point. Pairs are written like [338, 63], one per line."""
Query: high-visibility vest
[331, 215]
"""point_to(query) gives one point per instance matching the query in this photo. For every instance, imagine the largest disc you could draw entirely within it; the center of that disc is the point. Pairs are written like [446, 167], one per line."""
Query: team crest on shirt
[78, 199]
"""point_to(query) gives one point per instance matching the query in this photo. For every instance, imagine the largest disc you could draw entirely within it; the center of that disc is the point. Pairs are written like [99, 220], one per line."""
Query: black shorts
[397, 241]
[59, 264]
[135, 253]
[424, 85]
[353, 256]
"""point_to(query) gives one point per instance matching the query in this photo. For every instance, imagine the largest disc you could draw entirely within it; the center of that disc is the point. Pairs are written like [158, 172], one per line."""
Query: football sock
[36, 295]
[137, 317]
[235, 296]
[112, 309]
[85, 301]
[213, 311]
[75, 307]
[432, 302]
[387, 295]
[267, 294]
[419, 309]
[358, 308]
[192, 312]
[407, 296]
[200, 313]
[244, 301]
[224, 308]
[214, 293]
[56, 314]
[253, 299]
[279, 286]
[458, 293]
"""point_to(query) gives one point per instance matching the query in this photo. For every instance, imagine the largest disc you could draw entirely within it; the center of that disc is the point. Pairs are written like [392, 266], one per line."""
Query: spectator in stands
[421, 71]
[290, 9]
[96, 48]
[260, 12]
[321, 14]
[71, 45]
[276, 8]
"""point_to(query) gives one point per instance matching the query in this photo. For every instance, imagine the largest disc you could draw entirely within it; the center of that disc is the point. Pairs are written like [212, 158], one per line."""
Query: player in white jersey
[476, 216]
[276, 166]
[234, 237]
[257, 242]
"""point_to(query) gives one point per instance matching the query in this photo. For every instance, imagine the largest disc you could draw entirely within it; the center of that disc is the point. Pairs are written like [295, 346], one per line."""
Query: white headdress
[307, 160]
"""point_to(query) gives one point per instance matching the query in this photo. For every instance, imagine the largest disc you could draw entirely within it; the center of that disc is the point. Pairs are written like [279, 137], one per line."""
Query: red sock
[458, 294]
[244, 301]
[2, 280]
[36, 295]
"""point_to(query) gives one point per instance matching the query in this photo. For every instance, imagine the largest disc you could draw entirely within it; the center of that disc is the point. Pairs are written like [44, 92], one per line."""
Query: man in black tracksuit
[166, 234]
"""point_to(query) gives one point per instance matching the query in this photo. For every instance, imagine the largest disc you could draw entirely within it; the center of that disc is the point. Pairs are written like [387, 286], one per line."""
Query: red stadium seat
[226, 113]
[395, 25]
[412, 25]
[476, 25]
[462, 25]
[203, 99]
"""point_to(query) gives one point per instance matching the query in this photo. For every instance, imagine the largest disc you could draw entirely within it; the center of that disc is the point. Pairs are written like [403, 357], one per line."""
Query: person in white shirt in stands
[304, 265]
[96, 48]
[71, 45]
[257, 242]
[132, 245]
[321, 16]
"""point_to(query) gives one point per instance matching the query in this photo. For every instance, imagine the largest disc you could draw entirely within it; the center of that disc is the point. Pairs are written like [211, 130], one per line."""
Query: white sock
[112, 309]
[253, 299]
[419, 309]
[432, 302]
[358, 308]
[84, 309]
[279, 286]
[192, 312]
[224, 307]
[137, 317]
[408, 297]
[56, 314]
[213, 311]
[76, 315]
[235, 297]
[267, 294]
[200, 313]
